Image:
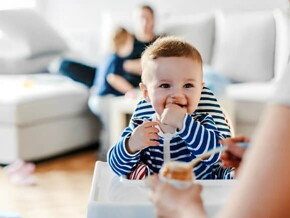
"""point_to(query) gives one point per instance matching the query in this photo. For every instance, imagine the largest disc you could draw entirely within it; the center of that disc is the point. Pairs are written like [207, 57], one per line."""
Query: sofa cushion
[12, 47]
[282, 54]
[197, 29]
[251, 92]
[34, 98]
[32, 30]
[245, 45]
[26, 66]
[28, 43]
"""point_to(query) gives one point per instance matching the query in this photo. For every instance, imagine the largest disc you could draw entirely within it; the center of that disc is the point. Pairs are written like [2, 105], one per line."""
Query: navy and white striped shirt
[202, 131]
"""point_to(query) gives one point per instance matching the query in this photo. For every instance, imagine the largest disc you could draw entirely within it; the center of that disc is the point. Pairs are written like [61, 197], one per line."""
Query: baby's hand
[173, 115]
[143, 136]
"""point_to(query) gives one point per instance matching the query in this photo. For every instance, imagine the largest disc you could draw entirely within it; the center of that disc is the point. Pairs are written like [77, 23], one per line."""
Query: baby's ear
[144, 91]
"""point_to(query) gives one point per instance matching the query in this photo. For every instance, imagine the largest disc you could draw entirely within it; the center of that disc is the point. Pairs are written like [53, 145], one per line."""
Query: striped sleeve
[120, 161]
[200, 137]
[209, 104]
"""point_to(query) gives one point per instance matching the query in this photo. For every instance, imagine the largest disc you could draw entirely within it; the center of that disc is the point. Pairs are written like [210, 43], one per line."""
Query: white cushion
[251, 92]
[282, 88]
[26, 99]
[47, 138]
[282, 41]
[245, 45]
[26, 66]
[32, 29]
[197, 29]
[13, 47]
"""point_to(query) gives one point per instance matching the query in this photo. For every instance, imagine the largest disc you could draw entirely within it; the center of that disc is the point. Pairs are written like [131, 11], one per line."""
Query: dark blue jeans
[78, 72]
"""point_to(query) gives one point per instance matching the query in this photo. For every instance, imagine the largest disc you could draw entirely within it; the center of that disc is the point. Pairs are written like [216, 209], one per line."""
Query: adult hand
[172, 202]
[233, 156]
[143, 136]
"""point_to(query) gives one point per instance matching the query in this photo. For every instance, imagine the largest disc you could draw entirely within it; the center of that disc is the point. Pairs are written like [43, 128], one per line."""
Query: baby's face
[172, 80]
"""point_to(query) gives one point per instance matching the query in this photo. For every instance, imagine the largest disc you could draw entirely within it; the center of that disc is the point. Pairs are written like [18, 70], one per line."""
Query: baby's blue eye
[165, 85]
[188, 85]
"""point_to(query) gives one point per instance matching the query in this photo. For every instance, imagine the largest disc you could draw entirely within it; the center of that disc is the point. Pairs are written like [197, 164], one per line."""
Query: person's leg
[99, 107]
[77, 71]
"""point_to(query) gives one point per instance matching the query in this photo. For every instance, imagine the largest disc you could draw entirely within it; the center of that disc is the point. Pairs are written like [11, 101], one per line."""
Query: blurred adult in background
[126, 76]
[143, 36]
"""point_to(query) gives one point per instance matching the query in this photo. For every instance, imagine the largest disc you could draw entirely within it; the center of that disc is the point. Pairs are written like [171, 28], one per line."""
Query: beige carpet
[62, 190]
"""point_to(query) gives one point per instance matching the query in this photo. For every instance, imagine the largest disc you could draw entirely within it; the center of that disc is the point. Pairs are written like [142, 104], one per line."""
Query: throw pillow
[33, 30]
[196, 29]
[245, 45]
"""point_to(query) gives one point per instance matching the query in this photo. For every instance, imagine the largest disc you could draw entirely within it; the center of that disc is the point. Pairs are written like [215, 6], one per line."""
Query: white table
[114, 197]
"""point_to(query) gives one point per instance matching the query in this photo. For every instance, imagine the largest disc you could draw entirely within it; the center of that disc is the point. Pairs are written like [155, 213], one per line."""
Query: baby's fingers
[151, 129]
[153, 135]
[153, 143]
[147, 123]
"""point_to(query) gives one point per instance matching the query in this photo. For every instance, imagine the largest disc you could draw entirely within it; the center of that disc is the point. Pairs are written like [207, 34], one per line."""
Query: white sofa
[41, 114]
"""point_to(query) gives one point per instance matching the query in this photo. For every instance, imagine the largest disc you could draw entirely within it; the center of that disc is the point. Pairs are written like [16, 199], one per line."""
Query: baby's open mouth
[181, 105]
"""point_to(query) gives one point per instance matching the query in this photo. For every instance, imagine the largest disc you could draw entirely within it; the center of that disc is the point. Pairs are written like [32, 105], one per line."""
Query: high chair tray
[114, 197]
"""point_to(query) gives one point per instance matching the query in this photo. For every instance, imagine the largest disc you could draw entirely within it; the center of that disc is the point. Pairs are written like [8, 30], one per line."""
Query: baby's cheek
[192, 108]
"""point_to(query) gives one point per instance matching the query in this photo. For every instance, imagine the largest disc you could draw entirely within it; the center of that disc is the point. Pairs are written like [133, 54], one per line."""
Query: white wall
[86, 23]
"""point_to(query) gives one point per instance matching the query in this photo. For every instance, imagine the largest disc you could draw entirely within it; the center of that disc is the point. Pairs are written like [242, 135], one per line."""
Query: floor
[62, 189]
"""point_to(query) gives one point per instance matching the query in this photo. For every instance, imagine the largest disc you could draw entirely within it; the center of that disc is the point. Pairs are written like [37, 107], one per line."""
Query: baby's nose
[177, 97]
[177, 93]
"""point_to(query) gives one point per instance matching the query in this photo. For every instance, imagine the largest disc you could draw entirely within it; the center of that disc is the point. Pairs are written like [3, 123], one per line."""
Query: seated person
[111, 77]
[172, 82]
[144, 35]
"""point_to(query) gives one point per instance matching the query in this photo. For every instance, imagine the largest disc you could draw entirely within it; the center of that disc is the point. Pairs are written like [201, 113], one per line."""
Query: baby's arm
[201, 136]
[125, 155]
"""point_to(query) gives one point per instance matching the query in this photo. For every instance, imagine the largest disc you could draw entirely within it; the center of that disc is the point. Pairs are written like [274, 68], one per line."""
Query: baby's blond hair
[170, 46]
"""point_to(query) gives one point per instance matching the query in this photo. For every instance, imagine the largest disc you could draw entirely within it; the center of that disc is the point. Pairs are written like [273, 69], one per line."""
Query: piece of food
[176, 170]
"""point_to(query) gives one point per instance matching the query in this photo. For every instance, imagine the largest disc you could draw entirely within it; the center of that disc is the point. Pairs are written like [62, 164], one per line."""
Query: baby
[172, 82]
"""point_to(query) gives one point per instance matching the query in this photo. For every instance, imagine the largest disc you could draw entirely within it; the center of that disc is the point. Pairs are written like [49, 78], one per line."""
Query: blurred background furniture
[248, 43]
[42, 116]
